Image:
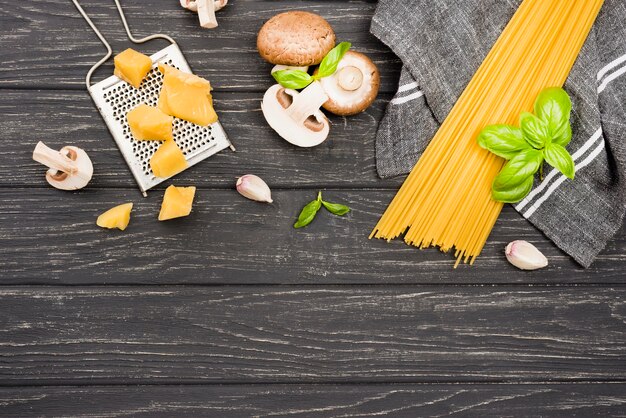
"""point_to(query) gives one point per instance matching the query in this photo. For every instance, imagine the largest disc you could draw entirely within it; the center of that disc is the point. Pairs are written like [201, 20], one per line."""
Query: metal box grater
[115, 98]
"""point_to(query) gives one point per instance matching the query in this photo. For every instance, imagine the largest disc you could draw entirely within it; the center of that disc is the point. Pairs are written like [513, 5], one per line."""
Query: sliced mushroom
[193, 5]
[297, 117]
[189, 5]
[206, 10]
[69, 169]
[295, 39]
[353, 87]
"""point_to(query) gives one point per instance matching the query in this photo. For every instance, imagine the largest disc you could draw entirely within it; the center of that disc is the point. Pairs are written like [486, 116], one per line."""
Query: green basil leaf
[336, 208]
[293, 79]
[565, 138]
[331, 60]
[554, 106]
[514, 194]
[558, 157]
[503, 140]
[535, 130]
[308, 214]
[526, 163]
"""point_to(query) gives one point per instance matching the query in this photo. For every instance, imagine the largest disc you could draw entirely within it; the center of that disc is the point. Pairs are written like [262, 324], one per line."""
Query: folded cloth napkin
[443, 42]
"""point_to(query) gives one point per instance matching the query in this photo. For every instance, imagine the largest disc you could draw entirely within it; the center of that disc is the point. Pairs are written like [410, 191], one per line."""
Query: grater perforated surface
[116, 98]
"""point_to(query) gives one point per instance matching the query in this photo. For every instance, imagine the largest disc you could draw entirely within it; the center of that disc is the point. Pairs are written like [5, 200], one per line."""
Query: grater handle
[142, 40]
[106, 44]
[102, 39]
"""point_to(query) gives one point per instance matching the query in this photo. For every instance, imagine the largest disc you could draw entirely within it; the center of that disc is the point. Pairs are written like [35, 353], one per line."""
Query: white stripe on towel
[561, 179]
[408, 87]
[611, 77]
[586, 146]
[616, 62]
[413, 96]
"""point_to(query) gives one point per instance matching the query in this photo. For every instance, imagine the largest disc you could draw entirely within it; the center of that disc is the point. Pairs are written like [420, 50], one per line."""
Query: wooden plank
[69, 117]
[538, 400]
[49, 45]
[173, 335]
[50, 237]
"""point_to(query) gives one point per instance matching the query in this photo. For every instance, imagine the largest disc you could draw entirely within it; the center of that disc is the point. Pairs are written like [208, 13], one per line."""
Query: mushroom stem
[307, 102]
[206, 13]
[350, 78]
[54, 159]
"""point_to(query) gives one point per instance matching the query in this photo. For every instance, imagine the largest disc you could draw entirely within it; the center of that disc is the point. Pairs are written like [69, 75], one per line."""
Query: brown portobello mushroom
[297, 39]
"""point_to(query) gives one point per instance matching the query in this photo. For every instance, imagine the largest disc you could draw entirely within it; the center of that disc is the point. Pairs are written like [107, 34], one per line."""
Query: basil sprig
[298, 79]
[309, 212]
[542, 136]
[330, 62]
[293, 79]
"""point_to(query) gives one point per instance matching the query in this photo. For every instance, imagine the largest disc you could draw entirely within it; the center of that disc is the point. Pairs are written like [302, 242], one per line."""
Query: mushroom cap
[295, 38]
[350, 102]
[313, 132]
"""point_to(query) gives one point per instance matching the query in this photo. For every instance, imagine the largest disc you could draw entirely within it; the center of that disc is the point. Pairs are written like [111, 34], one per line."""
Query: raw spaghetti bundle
[446, 199]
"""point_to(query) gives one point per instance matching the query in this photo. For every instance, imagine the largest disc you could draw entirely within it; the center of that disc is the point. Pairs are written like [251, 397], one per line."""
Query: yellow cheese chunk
[132, 66]
[117, 217]
[149, 123]
[168, 160]
[186, 96]
[177, 202]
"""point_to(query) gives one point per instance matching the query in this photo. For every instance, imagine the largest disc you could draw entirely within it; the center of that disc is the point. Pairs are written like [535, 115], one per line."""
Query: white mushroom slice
[297, 117]
[193, 5]
[69, 169]
[206, 11]
[280, 67]
[220, 4]
[189, 5]
[353, 87]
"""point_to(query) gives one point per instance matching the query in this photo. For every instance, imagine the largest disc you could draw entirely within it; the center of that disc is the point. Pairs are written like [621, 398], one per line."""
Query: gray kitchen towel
[443, 42]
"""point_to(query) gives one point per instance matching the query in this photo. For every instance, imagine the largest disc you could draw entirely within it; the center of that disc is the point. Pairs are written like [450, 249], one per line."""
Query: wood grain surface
[58, 118]
[232, 312]
[311, 334]
[440, 400]
[49, 45]
[231, 240]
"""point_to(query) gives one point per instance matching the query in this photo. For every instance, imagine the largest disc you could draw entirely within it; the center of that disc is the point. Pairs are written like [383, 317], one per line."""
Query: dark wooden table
[232, 312]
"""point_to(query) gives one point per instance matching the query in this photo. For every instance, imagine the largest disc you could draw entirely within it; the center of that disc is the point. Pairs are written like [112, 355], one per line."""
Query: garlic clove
[254, 188]
[525, 256]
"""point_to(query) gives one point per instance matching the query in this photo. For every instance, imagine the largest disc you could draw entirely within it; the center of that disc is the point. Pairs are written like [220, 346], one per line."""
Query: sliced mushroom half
[353, 87]
[69, 169]
[206, 10]
[296, 116]
[192, 5]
